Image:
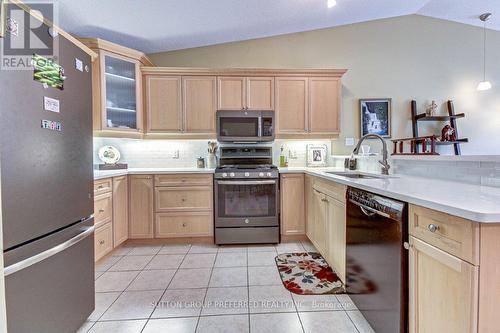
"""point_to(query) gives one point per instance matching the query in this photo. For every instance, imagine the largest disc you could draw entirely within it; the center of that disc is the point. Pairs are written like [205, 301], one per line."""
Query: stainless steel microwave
[245, 126]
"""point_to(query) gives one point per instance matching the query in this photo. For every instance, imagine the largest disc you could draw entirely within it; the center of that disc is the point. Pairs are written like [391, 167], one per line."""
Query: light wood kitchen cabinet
[103, 209]
[324, 105]
[164, 104]
[319, 221]
[326, 221]
[116, 88]
[120, 210]
[335, 253]
[443, 291]
[309, 199]
[292, 105]
[141, 206]
[260, 93]
[189, 198]
[184, 224]
[245, 93]
[231, 93]
[103, 241]
[102, 186]
[199, 103]
[292, 204]
[184, 205]
[308, 106]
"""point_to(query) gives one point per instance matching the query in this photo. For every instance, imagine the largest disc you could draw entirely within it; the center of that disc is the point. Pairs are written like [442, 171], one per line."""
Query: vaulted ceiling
[165, 25]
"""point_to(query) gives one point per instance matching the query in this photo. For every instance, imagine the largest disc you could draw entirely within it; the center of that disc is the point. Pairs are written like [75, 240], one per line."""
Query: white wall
[405, 58]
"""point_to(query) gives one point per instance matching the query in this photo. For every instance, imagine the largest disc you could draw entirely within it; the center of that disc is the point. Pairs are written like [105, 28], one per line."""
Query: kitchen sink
[358, 175]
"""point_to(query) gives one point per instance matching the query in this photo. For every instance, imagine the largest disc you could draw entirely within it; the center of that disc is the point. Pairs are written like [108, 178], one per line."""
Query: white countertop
[101, 174]
[473, 202]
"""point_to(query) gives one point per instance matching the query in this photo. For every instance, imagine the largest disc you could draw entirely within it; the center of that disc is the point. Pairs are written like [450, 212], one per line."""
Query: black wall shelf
[451, 117]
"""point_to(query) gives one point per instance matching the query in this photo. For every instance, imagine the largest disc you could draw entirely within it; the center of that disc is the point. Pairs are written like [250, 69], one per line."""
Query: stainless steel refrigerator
[47, 197]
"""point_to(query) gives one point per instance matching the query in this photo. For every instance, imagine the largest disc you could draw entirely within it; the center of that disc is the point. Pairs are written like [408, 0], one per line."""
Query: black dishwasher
[377, 261]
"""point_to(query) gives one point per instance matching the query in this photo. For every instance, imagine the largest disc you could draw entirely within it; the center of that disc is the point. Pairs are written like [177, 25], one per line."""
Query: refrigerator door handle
[48, 253]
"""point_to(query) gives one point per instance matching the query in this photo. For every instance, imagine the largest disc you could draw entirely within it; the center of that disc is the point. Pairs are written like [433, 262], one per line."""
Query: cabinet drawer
[189, 179]
[452, 234]
[189, 224]
[103, 241]
[192, 198]
[334, 190]
[103, 186]
[103, 209]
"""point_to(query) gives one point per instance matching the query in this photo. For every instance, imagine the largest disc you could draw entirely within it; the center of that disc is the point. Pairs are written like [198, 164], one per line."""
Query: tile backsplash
[177, 153]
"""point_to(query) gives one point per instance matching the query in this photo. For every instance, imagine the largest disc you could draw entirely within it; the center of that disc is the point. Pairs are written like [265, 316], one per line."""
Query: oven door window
[247, 200]
[239, 127]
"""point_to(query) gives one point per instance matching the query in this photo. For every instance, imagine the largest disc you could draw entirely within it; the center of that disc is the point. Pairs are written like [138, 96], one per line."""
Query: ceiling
[165, 25]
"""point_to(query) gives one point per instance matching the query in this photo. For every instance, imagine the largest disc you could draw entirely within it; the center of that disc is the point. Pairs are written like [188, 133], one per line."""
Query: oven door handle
[247, 182]
[368, 211]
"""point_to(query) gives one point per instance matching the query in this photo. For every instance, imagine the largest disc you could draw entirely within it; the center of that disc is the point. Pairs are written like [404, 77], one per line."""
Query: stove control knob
[247, 174]
[231, 174]
[224, 175]
[261, 174]
[269, 174]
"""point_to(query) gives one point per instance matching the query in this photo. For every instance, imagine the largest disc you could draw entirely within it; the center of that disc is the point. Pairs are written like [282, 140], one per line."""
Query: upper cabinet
[245, 93]
[308, 106]
[164, 104]
[200, 100]
[117, 88]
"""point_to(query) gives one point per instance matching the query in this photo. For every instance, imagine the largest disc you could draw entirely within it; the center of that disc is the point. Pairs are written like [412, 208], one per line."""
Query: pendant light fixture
[484, 85]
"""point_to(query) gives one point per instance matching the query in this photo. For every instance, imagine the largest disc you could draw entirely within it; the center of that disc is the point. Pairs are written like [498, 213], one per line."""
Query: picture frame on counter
[375, 115]
[316, 155]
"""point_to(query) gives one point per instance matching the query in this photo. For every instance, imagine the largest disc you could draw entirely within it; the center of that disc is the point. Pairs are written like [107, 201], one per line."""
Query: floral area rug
[308, 274]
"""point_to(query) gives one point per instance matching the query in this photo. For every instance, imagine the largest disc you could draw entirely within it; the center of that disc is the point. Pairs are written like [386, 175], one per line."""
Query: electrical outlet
[175, 154]
[349, 142]
[292, 154]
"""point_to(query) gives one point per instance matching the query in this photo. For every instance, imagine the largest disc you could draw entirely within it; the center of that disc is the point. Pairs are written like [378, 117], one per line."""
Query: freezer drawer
[52, 291]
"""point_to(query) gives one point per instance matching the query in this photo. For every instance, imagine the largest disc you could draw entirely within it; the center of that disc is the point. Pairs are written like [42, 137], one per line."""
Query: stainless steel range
[246, 196]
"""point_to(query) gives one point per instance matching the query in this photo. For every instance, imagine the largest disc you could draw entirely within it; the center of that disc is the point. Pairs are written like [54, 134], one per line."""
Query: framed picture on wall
[316, 155]
[376, 116]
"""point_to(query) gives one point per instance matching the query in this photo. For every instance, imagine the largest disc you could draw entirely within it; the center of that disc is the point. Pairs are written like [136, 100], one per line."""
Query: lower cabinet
[103, 241]
[326, 221]
[292, 204]
[184, 224]
[183, 206]
[335, 253]
[120, 210]
[141, 207]
[443, 291]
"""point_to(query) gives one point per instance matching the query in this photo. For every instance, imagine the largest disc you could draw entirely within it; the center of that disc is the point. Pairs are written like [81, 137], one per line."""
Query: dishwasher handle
[368, 211]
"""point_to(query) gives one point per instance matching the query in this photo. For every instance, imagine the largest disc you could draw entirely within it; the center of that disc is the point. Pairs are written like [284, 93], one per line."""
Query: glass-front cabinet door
[121, 94]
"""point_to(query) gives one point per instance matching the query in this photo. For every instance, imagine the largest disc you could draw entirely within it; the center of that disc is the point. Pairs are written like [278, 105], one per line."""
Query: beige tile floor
[205, 288]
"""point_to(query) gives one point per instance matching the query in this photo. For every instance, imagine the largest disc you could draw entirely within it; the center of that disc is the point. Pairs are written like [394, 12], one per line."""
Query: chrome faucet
[385, 164]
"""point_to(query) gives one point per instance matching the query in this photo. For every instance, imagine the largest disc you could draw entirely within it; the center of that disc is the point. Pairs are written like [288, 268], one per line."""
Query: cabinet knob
[184, 225]
[407, 245]
[433, 227]
[101, 242]
[99, 187]
[101, 210]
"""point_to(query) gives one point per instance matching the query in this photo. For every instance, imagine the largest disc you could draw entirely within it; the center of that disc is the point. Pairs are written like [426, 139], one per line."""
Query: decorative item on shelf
[110, 156]
[427, 143]
[316, 155]
[200, 163]
[431, 109]
[2, 18]
[451, 118]
[448, 134]
[376, 116]
[212, 154]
